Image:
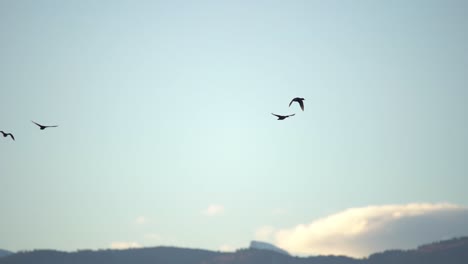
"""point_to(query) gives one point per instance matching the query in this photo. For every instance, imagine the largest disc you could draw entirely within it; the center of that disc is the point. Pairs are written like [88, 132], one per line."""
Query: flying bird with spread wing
[7, 134]
[299, 100]
[41, 126]
[282, 117]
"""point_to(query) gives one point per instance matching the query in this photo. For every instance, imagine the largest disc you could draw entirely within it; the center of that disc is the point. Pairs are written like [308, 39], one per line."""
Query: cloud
[141, 220]
[227, 248]
[264, 233]
[360, 231]
[213, 209]
[124, 245]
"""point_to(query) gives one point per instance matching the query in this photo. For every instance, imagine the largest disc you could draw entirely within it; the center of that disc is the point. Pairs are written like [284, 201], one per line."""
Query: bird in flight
[282, 117]
[41, 126]
[7, 134]
[299, 100]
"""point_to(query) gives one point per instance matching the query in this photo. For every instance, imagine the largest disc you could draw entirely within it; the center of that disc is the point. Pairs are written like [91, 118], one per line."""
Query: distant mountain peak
[267, 246]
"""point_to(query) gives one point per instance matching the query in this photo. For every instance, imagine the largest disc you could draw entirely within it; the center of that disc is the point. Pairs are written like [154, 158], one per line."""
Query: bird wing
[275, 115]
[50, 126]
[36, 123]
[301, 103]
[292, 115]
[11, 135]
[292, 101]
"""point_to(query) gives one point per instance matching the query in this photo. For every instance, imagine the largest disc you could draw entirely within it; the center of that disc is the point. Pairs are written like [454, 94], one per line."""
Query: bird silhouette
[282, 117]
[41, 126]
[7, 134]
[299, 100]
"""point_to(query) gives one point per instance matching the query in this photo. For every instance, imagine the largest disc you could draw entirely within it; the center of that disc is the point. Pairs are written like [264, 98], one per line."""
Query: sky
[166, 135]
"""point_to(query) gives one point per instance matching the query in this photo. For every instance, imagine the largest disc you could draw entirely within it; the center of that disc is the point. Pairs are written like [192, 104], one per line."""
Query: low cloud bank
[359, 232]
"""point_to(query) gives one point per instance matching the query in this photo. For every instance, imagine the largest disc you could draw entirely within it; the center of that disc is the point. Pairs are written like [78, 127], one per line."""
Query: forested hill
[453, 251]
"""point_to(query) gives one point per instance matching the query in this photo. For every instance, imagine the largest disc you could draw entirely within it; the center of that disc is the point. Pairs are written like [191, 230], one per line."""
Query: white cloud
[360, 231]
[227, 248]
[213, 209]
[264, 233]
[124, 245]
[141, 220]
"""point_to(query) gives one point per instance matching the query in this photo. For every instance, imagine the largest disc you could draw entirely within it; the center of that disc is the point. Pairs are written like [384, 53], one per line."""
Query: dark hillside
[453, 251]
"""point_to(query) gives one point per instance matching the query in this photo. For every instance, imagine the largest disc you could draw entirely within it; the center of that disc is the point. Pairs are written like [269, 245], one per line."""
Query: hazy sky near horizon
[165, 134]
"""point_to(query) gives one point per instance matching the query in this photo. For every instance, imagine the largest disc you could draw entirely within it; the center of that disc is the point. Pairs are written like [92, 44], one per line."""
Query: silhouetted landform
[266, 246]
[259, 256]
[163, 255]
[4, 253]
[453, 251]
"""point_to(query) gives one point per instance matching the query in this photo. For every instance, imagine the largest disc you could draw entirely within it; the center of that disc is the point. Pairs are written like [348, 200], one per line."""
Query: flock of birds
[299, 100]
[42, 127]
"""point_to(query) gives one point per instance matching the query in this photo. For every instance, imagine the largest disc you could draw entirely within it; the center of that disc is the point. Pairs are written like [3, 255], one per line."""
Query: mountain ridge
[4, 252]
[454, 251]
[255, 244]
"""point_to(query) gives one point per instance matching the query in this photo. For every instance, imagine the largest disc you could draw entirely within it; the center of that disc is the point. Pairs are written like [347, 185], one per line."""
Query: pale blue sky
[164, 108]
